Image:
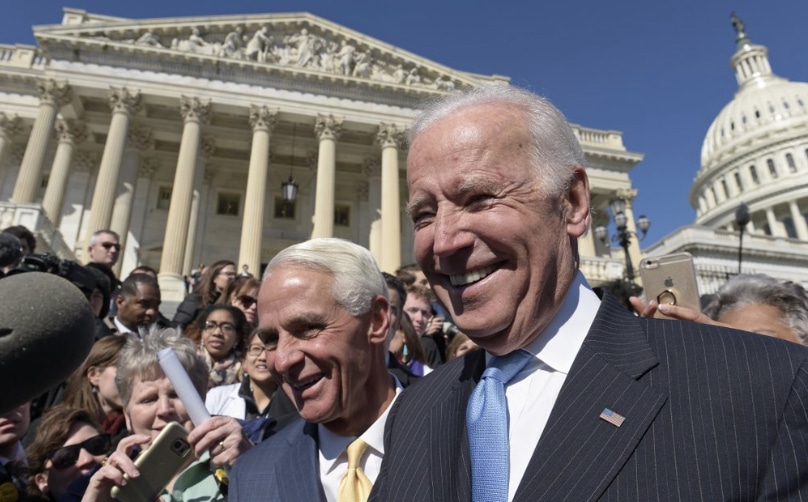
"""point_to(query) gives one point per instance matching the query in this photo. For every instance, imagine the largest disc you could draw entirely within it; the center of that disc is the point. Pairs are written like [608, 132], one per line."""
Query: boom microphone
[46, 332]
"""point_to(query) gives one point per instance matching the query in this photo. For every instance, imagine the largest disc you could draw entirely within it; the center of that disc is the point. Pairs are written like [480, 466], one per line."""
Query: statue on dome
[740, 28]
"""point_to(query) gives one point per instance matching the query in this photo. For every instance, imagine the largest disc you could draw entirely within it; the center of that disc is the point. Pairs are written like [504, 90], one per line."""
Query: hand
[115, 469]
[222, 436]
[434, 326]
[673, 311]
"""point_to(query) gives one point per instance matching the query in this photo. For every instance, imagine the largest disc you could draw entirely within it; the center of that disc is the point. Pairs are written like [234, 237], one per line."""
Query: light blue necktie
[487, 424]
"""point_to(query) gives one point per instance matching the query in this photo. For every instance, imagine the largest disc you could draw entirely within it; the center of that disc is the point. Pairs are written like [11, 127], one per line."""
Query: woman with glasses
[68, 445]
[257, 396]
[214, 281]
[220, 331]
[243, 294]
[150, 403]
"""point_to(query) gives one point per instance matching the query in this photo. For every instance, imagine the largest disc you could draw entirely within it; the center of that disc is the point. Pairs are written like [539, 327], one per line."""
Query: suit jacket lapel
[579, 454]
[452, 479]
[298, 476]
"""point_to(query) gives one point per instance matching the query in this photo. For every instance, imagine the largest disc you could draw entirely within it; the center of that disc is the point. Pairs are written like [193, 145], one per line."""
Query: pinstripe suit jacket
[711, 414]
[283, 467]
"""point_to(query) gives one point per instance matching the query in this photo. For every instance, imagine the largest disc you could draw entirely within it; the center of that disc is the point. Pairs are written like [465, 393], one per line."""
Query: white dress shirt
[124, 330]
[534, 390]
[334, 460]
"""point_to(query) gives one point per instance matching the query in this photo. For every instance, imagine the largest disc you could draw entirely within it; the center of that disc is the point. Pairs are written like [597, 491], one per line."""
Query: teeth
[469, 277]
[307, 383]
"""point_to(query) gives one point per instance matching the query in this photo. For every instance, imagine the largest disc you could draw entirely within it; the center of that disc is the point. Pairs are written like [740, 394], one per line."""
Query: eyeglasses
[247, 301]
[68, 456]
[109, 245]
[226, 327]
[256, 350]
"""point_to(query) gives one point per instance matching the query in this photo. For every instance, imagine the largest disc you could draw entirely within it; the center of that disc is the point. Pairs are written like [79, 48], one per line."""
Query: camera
[70, 270]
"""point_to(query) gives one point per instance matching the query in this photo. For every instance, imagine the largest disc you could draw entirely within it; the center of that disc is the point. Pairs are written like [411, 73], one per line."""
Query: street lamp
[289, 187]
[623, 235]
[742, 218]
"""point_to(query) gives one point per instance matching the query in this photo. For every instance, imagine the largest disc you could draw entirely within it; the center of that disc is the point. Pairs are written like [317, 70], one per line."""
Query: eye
[480, 200]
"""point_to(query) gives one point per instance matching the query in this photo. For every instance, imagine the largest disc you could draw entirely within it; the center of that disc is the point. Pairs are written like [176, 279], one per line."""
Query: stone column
[262, 120]
[195, 112]
[124, 104]
[774, 225]
[327, 129]
[206, 150]
[799, 221]
[70, 133]
[373, 173]
[52, 96]
[9, 126]
[390, 137]
[138, 139]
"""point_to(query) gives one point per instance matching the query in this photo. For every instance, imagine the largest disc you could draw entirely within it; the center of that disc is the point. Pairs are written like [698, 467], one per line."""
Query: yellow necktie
[355, 485]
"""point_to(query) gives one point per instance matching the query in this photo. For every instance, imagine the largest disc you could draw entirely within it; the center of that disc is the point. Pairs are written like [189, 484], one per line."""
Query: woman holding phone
[150, 403]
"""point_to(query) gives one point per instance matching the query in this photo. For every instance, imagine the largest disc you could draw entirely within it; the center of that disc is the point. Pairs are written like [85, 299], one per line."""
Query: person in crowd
[13, 426]
[324, 315]
[68, 445]
[752, 302]
[92, 387]
[99, 300]
[407, 347]
[245, 271]
[104, 247]
[571, 398]
[25, 236]
[138, 305]
[150, 402]
[219, 331]
[397, 295]
[411, 275]
[257, 396]
[428, 326]
[242, 293]
[460, 346]
[212, 284]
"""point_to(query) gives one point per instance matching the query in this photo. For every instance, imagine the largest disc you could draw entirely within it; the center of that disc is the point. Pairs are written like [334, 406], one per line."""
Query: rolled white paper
[185, 389]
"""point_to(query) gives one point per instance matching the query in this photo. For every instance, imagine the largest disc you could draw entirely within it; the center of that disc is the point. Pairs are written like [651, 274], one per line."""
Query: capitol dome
[756, 150]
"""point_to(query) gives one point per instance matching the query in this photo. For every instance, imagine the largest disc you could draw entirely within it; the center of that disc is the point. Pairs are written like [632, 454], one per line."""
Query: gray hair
[555, 148]
[99, 233]
[357, 279]
[138, 359]
[788, 297]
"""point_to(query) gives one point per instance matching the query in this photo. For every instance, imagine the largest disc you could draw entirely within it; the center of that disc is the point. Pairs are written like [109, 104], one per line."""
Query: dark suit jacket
[711, 414]
[403, 373]
[283, 467]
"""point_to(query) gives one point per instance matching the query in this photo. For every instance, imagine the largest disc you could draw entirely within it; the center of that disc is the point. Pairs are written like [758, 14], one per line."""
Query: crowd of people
[490, 370]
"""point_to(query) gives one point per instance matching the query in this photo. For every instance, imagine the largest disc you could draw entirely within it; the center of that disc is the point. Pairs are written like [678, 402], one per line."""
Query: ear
[379, 326]
[577, 212]
[93, 375]
[119, 301]
[41, 480]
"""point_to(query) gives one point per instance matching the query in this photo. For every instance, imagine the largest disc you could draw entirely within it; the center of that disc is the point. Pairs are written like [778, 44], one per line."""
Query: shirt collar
[561, 340]
[332, 445]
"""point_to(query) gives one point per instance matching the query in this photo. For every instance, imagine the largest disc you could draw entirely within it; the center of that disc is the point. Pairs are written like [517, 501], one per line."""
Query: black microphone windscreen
[10, 249]
[46, 331]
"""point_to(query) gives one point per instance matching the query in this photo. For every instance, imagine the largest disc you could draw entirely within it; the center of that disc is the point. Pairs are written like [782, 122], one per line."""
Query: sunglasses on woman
[68, 456]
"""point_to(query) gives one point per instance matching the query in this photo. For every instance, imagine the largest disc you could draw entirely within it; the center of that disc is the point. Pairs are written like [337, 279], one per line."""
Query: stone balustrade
[21, 56]
[600, 270]
[32, 216]
[597, 137]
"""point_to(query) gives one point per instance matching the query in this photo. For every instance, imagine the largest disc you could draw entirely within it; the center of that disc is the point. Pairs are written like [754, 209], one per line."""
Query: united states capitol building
[187, 135]
[756, 153]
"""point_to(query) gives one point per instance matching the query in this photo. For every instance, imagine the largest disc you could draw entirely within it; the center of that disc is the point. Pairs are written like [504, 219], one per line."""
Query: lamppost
[289, 187]
[742, 218]
[623, 235]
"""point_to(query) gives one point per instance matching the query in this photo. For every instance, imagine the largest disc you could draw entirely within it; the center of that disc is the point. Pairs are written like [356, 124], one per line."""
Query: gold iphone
[671, 279]
[167, 455]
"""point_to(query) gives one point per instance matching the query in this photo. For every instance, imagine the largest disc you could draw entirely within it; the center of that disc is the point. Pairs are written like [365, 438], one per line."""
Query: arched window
[739, 181]
[792, 167]
[754, 174]
[772, 169]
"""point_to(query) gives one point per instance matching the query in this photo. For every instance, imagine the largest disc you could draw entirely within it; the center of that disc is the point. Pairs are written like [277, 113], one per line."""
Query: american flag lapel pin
[613, 418]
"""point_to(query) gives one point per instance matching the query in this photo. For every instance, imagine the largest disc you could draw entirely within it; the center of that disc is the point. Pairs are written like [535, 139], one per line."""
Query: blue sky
[656, 70]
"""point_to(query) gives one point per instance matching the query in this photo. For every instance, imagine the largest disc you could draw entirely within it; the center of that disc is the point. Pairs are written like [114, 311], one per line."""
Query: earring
[95, 389]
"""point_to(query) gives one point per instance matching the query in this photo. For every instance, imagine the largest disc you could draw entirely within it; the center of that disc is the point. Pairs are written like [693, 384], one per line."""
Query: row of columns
[113, 193]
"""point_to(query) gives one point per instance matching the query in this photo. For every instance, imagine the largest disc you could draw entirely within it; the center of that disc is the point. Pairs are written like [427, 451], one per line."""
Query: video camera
[70, 270]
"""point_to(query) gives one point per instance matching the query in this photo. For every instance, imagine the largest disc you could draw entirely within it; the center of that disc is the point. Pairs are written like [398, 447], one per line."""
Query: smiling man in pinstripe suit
[609, 406]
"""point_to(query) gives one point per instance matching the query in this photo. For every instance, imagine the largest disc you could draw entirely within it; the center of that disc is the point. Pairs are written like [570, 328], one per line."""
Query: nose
[165, 407]
[86, 460]
[449, 236]
[287, 354]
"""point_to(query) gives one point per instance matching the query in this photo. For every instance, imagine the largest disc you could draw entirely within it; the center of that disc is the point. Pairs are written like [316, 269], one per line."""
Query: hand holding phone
[670, 280]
